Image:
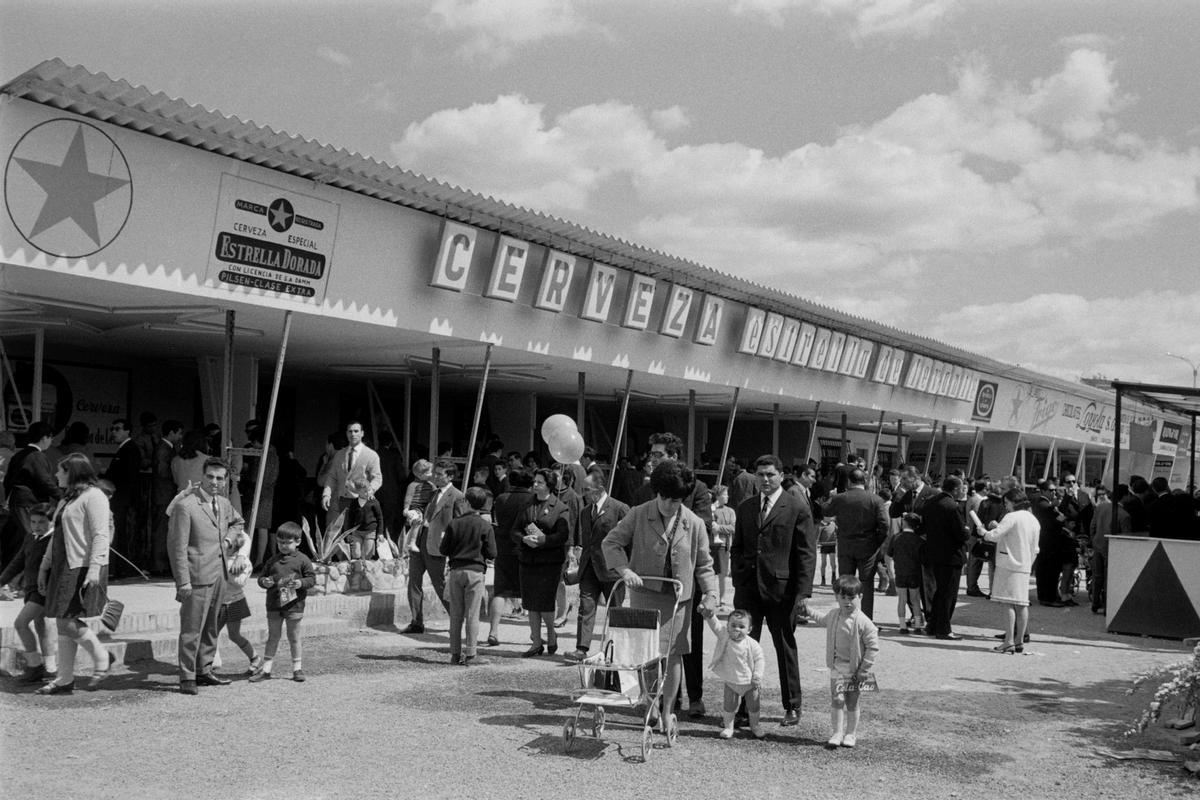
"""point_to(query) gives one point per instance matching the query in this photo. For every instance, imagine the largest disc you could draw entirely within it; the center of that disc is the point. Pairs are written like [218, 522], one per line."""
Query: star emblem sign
[68, 188]
[280, 214]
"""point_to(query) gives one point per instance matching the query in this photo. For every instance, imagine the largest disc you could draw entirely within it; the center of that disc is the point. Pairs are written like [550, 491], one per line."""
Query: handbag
[111, 617]
[607, 679]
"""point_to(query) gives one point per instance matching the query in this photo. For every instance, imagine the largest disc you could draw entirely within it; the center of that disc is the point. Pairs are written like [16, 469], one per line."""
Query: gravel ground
[385, 715]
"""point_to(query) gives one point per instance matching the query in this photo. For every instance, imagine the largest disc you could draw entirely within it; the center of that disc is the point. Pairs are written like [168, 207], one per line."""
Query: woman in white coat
[1016, 538]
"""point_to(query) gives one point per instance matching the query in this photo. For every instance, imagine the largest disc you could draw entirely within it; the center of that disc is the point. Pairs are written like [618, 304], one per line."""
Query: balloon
[567, 447]
[555, 423]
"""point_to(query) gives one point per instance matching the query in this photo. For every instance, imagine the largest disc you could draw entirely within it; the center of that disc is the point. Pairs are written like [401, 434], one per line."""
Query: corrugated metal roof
[117, 102]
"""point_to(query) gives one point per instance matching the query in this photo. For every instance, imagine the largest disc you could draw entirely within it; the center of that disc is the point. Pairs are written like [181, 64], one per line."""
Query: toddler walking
[234, 607]
[851, 644]
[738, 660]
[40, 646]
[287, 576]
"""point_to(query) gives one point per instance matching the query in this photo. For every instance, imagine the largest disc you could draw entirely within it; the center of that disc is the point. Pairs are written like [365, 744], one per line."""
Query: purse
[607, 679]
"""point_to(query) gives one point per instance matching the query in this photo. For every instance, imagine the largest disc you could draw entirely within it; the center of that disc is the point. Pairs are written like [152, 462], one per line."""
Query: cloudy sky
[1020, 178]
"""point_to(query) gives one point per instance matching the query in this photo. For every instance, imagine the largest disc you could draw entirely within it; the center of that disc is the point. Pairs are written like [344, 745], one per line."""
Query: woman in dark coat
[541, 532]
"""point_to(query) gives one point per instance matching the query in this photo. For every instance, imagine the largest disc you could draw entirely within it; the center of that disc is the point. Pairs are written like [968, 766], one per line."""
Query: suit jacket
[907, 502]
[365, 471]
[438, 514]
[742, 486]
[945, 531]
[642, 535]
[1172, 516]
[592, 533]
[123, 472]
[164, 481]
[780, 555]
[194, 538]
[862, 521]
[30, 478]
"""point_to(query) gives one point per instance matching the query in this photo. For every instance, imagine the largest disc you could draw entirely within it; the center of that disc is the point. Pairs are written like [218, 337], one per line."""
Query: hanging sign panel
[271, 242]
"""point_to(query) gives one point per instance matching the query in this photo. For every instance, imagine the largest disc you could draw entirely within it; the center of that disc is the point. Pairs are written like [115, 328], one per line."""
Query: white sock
[51, 662]
[267, 664]
[295, 665]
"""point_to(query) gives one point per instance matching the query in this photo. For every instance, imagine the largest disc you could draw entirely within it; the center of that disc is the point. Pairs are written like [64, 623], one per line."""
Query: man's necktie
[349, 460]
[766, 505]
[216, 512]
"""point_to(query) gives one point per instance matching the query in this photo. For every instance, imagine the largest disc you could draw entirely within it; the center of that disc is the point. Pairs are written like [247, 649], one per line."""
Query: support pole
[407, 450]
[1116, 459]
[531, 441]
[580, 410]
[1192, 465]
[1107, 464]
[812, 433]
[1081, 466]
[487, 368]
[691, 426]
[945, 466]
[901, 442]
[974, 451]
[775, 429]
[12, 378]
[929, 451]
[270, 427]
[39, 360]
[1050, 453]
[619, 442]
[227, 386]
[845, 441]
[728, 436]
[435, 400]
[875, 447]
[1024, 461]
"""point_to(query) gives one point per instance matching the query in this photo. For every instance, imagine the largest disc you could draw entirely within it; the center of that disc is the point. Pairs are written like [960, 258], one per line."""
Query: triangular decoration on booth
[1157, 604]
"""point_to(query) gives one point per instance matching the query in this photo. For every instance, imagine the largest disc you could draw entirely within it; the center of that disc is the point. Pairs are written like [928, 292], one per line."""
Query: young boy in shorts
[287, 576]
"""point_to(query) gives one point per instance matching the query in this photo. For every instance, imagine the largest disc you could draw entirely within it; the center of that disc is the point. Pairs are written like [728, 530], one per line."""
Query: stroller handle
[677, 585]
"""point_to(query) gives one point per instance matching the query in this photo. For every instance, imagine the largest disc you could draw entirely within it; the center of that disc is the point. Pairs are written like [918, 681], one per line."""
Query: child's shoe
[726, 733]
[298, 676]
[260, 676]
[836, 740]
[37, 674]
[757, 731]
[255, 665]
[849, 740]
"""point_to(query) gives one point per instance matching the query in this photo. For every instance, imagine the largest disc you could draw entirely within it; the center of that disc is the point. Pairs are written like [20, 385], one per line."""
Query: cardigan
[86, 525]
[864, 638]
[1016, 538]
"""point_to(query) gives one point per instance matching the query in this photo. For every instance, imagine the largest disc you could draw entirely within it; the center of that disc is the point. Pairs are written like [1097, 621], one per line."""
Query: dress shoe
[98, 678]
[472, 661]
[975, 593]
[57, 688]
[551, 649]
[36, 674]
[576, 655]
[696, 709]
[209, 679]
[493, 641]
[536, 650]
[412, 628]
[188, 687]
[298, 675]
[1052, 603]
[949, 637]
[260, 676]
[1070, 601]
[791, 717]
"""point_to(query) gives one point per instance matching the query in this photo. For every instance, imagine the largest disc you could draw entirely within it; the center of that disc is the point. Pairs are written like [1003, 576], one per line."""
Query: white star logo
[53, 194]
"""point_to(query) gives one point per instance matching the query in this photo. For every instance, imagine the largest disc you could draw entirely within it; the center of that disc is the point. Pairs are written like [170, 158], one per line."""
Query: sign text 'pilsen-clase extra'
[765, 334]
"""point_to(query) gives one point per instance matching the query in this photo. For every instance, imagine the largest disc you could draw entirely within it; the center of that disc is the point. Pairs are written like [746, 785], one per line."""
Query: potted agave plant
[332, 576]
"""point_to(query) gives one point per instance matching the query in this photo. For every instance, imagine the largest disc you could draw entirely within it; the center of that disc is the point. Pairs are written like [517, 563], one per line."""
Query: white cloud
[865, 17]
[668, 120]
[495, 29]
[336, 57]
[1092, 41]
[1121, 335]
[982, 171]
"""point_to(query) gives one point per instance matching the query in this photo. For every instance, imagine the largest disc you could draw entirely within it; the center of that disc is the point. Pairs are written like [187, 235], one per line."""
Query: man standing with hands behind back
[354, 466]
[771, 563]
[202, 521]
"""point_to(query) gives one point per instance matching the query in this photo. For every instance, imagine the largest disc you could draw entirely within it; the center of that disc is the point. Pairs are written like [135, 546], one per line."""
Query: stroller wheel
[647, 738]
[568, 735]
[672, 730]
[598, 722]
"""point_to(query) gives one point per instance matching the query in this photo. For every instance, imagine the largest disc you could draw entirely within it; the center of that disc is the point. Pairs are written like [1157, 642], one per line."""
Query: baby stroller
[628, 672]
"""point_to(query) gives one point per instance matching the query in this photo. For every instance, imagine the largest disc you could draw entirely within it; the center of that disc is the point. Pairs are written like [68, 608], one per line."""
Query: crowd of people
[749, 551]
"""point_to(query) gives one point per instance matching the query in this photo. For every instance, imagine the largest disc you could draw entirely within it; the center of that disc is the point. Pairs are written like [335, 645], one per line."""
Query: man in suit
[163, 490]
[669, 447]
[124, 471]
[862, 526]
[202, 523]
[446, 503]
[354, 467]
[771, 563]
[916, 494]
[945, 532]
[741, 482]
[29, 480]
[600, 515]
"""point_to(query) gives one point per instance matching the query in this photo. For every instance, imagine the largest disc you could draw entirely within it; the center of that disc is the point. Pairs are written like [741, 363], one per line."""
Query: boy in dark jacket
[41, 664]
[467, 545]
[287, 576]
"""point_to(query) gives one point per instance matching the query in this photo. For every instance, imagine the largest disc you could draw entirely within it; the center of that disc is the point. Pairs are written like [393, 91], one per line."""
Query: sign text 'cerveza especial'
[764, 334]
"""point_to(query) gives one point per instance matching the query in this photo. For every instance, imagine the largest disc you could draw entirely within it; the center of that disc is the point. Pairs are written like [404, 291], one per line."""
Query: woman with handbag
[74, 572]
[541, 531]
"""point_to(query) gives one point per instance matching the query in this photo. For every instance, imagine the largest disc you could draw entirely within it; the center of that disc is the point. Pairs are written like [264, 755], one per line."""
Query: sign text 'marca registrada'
[764, 334]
